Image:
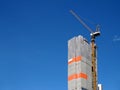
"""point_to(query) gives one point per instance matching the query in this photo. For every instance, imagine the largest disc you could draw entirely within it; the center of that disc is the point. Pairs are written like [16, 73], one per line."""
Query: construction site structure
[100, 87]
[93, 49]
[79, 64]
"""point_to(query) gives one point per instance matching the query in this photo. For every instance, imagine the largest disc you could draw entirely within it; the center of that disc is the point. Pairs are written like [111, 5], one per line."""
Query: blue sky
[33, 42]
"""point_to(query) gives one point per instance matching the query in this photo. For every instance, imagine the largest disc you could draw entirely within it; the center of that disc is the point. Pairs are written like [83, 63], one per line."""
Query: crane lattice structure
[93, 47]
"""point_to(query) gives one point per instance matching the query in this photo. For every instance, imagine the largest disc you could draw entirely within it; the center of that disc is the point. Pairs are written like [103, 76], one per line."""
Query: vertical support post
[94, 74]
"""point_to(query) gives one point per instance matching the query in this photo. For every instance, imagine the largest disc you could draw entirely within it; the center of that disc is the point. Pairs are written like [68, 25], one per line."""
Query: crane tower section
[93, 34]
[79, 64]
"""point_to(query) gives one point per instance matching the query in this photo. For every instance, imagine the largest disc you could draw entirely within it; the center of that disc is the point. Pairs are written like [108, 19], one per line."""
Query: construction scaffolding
[79, 64]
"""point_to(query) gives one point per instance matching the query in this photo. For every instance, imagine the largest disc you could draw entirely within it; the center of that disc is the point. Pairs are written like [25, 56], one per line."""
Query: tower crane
[93, 47]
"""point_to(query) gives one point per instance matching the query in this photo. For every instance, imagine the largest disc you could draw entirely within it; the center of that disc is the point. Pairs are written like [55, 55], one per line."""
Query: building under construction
[79, 64]
[82, 60]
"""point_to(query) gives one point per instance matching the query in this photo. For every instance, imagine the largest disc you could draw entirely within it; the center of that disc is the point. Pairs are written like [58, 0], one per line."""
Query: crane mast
[93, 47]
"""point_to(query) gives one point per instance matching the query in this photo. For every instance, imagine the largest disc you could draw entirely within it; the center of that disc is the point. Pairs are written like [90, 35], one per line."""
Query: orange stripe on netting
[83, 75]
[76, 76]
[75, 59]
